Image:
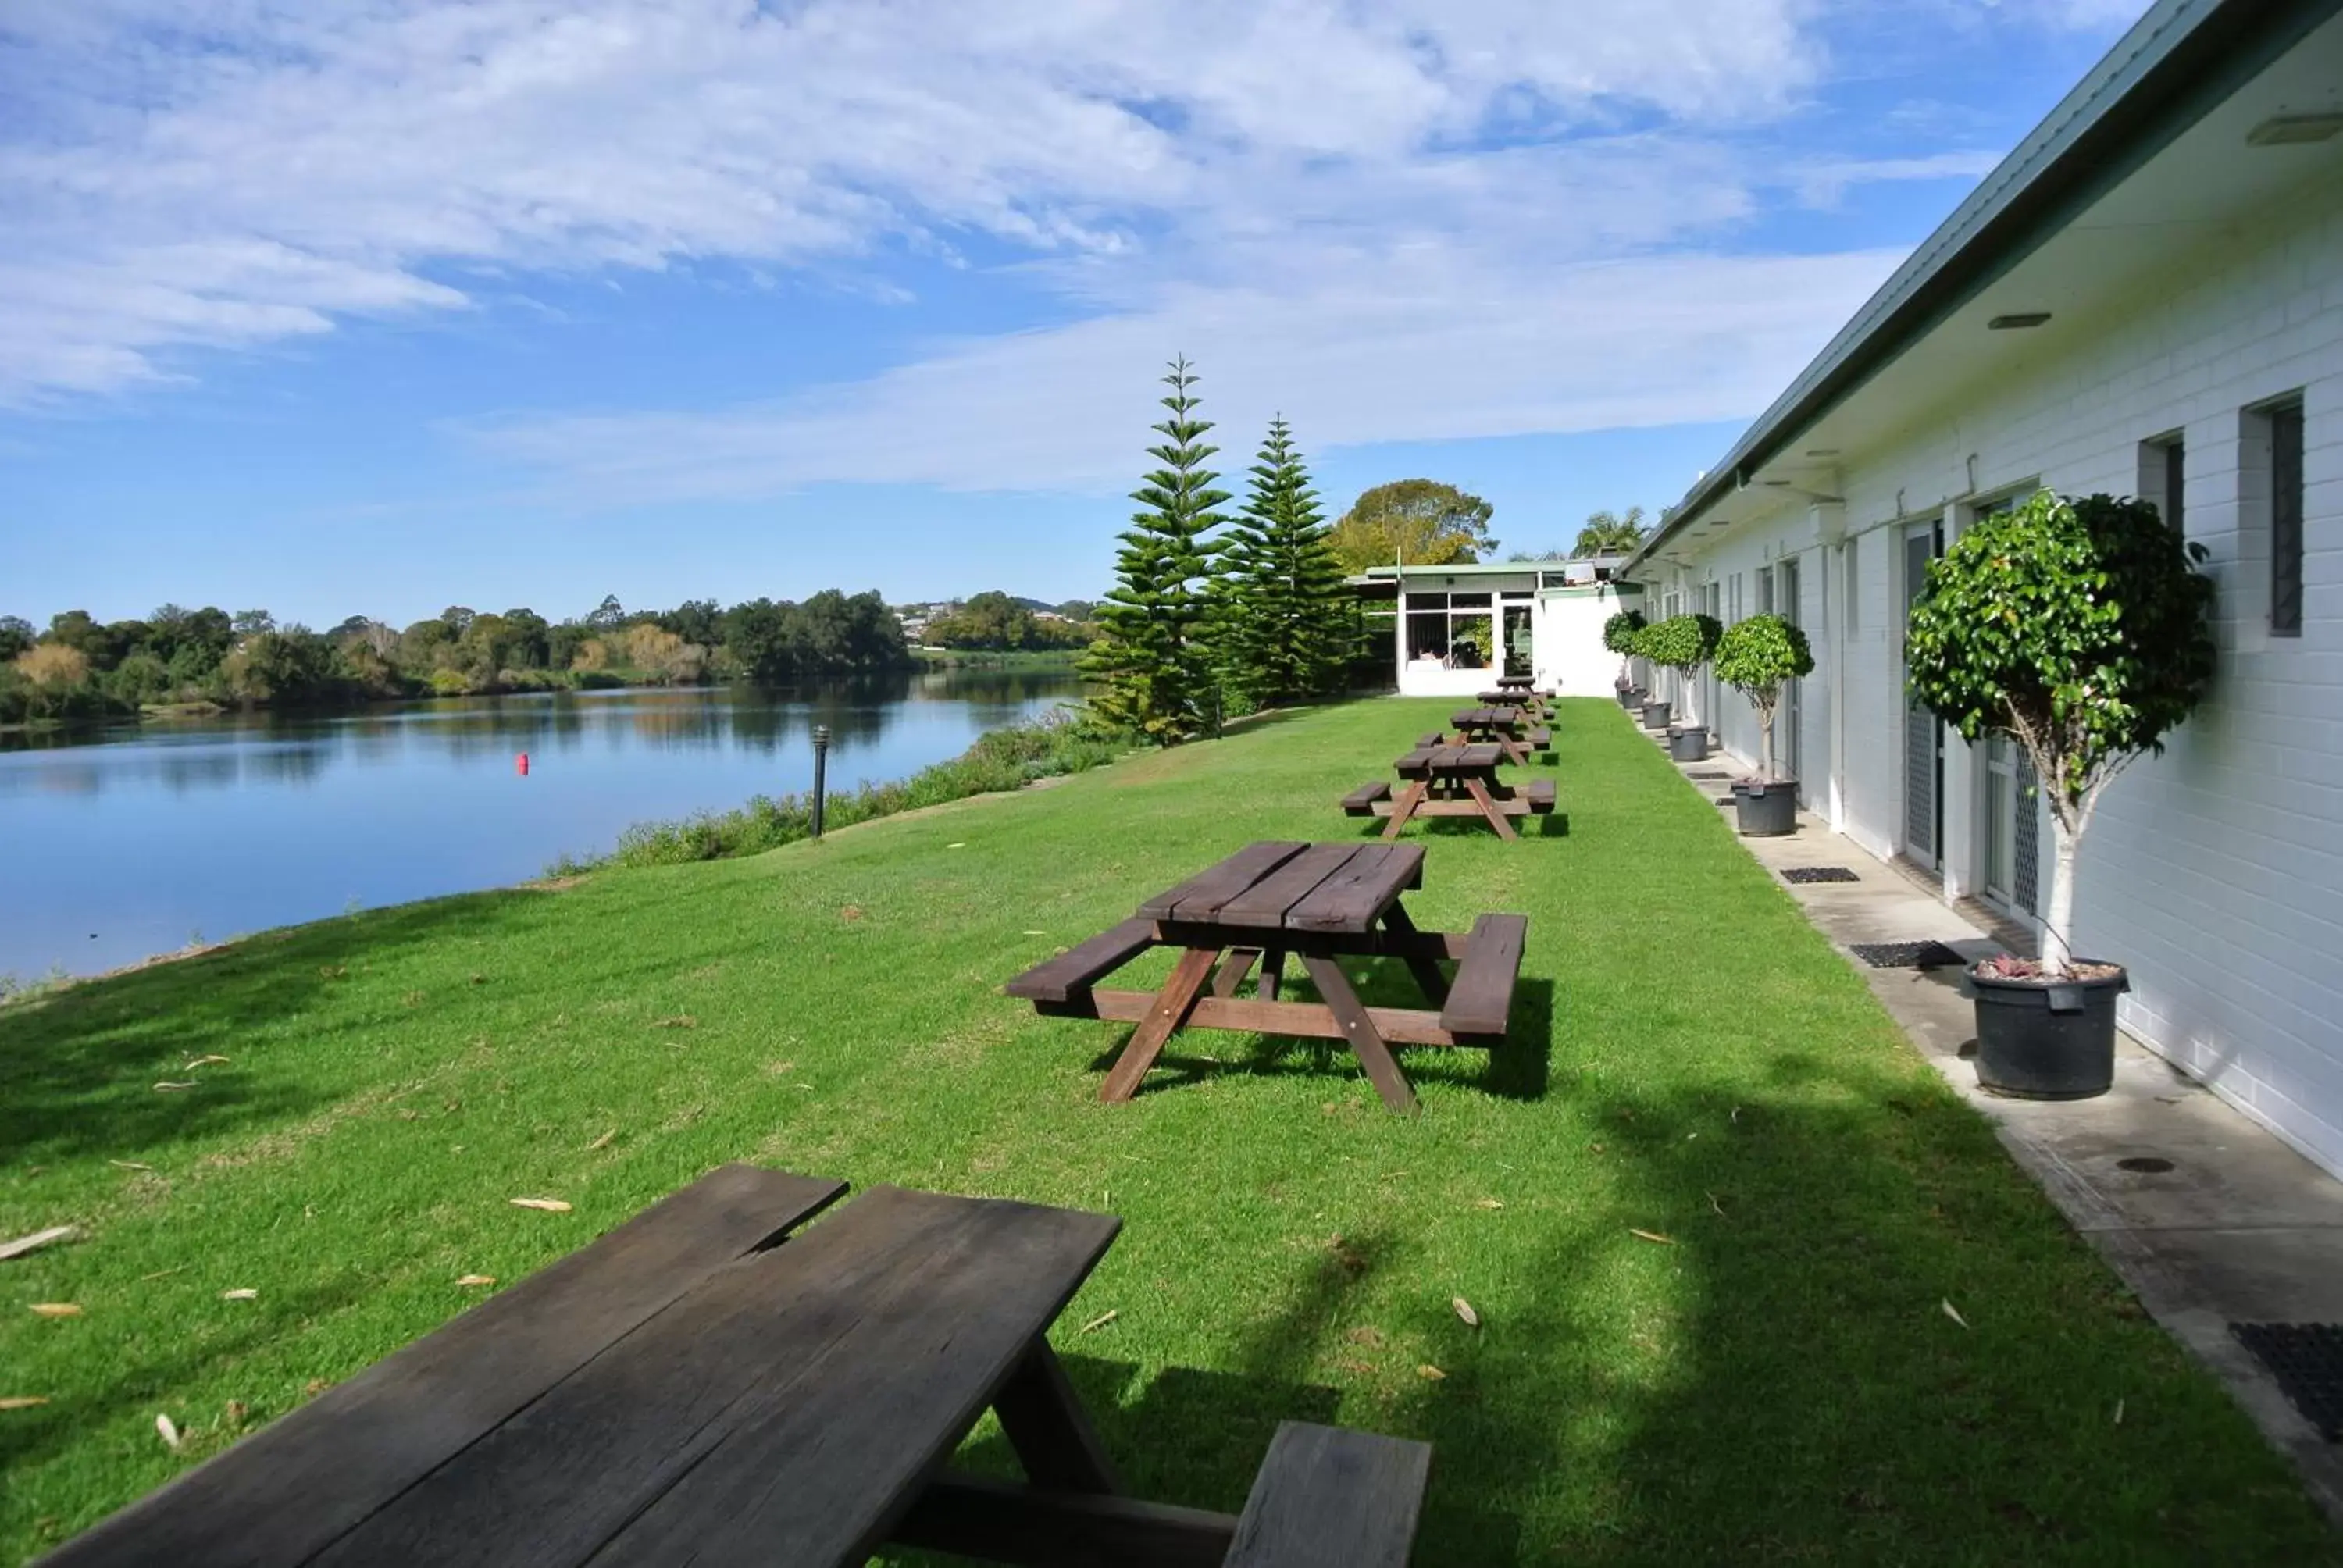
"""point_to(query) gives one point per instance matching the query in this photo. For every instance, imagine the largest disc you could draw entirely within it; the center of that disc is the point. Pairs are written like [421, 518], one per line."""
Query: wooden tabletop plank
[788, 1410]
[290, 1490]
[1216, 884]
[1265, 903]
[1355, 897]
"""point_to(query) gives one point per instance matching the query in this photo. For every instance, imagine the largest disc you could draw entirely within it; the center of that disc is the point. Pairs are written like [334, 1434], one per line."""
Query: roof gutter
[2177, 63]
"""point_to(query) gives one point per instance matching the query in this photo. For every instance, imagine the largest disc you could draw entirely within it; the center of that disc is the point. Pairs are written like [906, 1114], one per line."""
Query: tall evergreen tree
[1287, 628]
[1151, 659]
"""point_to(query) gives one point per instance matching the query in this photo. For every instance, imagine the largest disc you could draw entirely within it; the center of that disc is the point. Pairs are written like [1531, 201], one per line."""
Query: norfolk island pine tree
[1286, 629]
[1152, 659]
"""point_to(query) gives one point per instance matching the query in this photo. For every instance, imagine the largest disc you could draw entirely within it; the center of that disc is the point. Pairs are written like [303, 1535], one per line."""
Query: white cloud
[1396, 218]
[1419, 353]
[185, 172]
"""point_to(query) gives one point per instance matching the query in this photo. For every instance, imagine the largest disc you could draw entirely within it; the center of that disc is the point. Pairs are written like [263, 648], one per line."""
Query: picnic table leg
[1169, 1011]
[1273, 970]
[1047, 1425]
[1425, 971]
[1233, 970]
[1480, 792]
[1404, 807]
[1359, 1029]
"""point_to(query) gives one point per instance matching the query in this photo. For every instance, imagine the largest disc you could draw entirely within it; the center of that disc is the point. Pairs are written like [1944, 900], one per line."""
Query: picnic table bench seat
[710, 1382]
[1360, 801]
[1540, 740]
[1329, 1498]
[1431, 738]
[1539, 793]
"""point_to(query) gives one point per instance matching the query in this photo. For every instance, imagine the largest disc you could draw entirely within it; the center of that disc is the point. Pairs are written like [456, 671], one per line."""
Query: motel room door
[1924, 736]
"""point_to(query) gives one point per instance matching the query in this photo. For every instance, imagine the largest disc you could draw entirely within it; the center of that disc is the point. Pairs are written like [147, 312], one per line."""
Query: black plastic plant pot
[2045, 1040]
[1656, 716]
[1765, 811]
[1688, 744]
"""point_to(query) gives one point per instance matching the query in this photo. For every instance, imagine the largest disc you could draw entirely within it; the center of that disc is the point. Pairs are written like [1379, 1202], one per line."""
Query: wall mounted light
[2293, 130]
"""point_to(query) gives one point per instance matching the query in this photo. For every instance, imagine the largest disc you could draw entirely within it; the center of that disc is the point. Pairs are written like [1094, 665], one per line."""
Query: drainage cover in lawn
[1906, 955]
[1818, 874]
[1725, 800]
[2307, 1359]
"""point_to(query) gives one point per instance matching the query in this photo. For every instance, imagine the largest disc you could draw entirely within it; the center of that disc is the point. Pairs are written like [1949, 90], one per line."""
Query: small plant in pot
[2080, 628]
[1683, 644]
[1619, 637]
[1758, 658]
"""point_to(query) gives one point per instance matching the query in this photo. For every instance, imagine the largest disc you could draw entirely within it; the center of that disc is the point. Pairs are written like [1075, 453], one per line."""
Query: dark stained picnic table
[707, 1384]
[1318, 902]
[1502, 724]
[1442, 779]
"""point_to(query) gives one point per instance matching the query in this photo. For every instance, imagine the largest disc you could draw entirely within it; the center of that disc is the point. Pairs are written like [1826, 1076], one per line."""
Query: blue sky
[375, 306]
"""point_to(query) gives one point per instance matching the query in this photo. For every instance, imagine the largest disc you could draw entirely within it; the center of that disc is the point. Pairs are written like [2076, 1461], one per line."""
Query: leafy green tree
[1619, 635]
[2082, 628]
[1606, 534]
[1758, 658]
[1681, 643]
[251, 622]
[1415, 522]
[15, 636]
[1286, 628]
[1151, 658]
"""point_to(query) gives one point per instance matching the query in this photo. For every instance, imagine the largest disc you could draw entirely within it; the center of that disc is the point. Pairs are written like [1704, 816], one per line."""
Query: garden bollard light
[820, 768]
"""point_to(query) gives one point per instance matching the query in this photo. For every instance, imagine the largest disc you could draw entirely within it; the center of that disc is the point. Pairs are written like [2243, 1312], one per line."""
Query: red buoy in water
[520, 765]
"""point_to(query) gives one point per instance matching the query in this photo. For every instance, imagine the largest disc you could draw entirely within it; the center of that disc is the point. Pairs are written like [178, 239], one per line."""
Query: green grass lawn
[1690, 1058]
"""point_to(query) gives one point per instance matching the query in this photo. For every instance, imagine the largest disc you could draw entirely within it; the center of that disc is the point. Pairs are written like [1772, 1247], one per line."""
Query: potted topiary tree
[1648, 642]
[1683, 643]
[2080, 628]
[1755, 657]
[1619, 637]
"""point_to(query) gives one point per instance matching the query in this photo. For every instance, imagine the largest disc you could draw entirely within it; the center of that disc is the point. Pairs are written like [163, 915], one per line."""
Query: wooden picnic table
[707, 1384]
[1507, 724]
[1440, 779]
[1318, 902]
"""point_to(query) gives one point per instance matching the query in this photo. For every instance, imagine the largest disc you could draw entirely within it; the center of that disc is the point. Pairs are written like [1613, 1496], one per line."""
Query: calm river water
[118, 843]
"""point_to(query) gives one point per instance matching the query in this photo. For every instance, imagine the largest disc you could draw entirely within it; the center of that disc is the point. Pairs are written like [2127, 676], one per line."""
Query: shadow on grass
[1516, 1070]
[1771, 1379]
[79, 1068]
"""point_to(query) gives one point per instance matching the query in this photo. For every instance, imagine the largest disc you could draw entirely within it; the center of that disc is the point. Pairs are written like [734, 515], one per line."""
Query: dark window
[2176, 466]
[2286, 520]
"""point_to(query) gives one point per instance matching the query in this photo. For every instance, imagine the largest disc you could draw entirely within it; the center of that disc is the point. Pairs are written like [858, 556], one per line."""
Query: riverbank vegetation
[1709, 1225]
[1007, 759]
[80, 667]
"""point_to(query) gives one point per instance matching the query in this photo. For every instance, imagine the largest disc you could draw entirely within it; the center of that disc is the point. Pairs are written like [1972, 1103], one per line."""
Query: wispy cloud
[1409, 217]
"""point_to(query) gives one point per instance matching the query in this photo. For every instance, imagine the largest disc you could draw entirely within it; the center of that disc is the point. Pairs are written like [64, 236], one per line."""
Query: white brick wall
[2216, 871]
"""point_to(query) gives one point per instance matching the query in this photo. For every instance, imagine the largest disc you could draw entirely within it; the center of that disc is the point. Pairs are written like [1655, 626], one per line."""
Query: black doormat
[2307, 1359]
[1707, 775]
[1818, 874]
[1906, 955]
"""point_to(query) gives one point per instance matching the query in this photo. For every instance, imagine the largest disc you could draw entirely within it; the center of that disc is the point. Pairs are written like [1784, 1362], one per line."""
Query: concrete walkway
[2239, 1229]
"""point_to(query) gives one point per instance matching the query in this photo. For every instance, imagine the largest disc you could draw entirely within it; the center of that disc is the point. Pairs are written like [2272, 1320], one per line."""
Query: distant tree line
[82, 667]
[995, 623]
